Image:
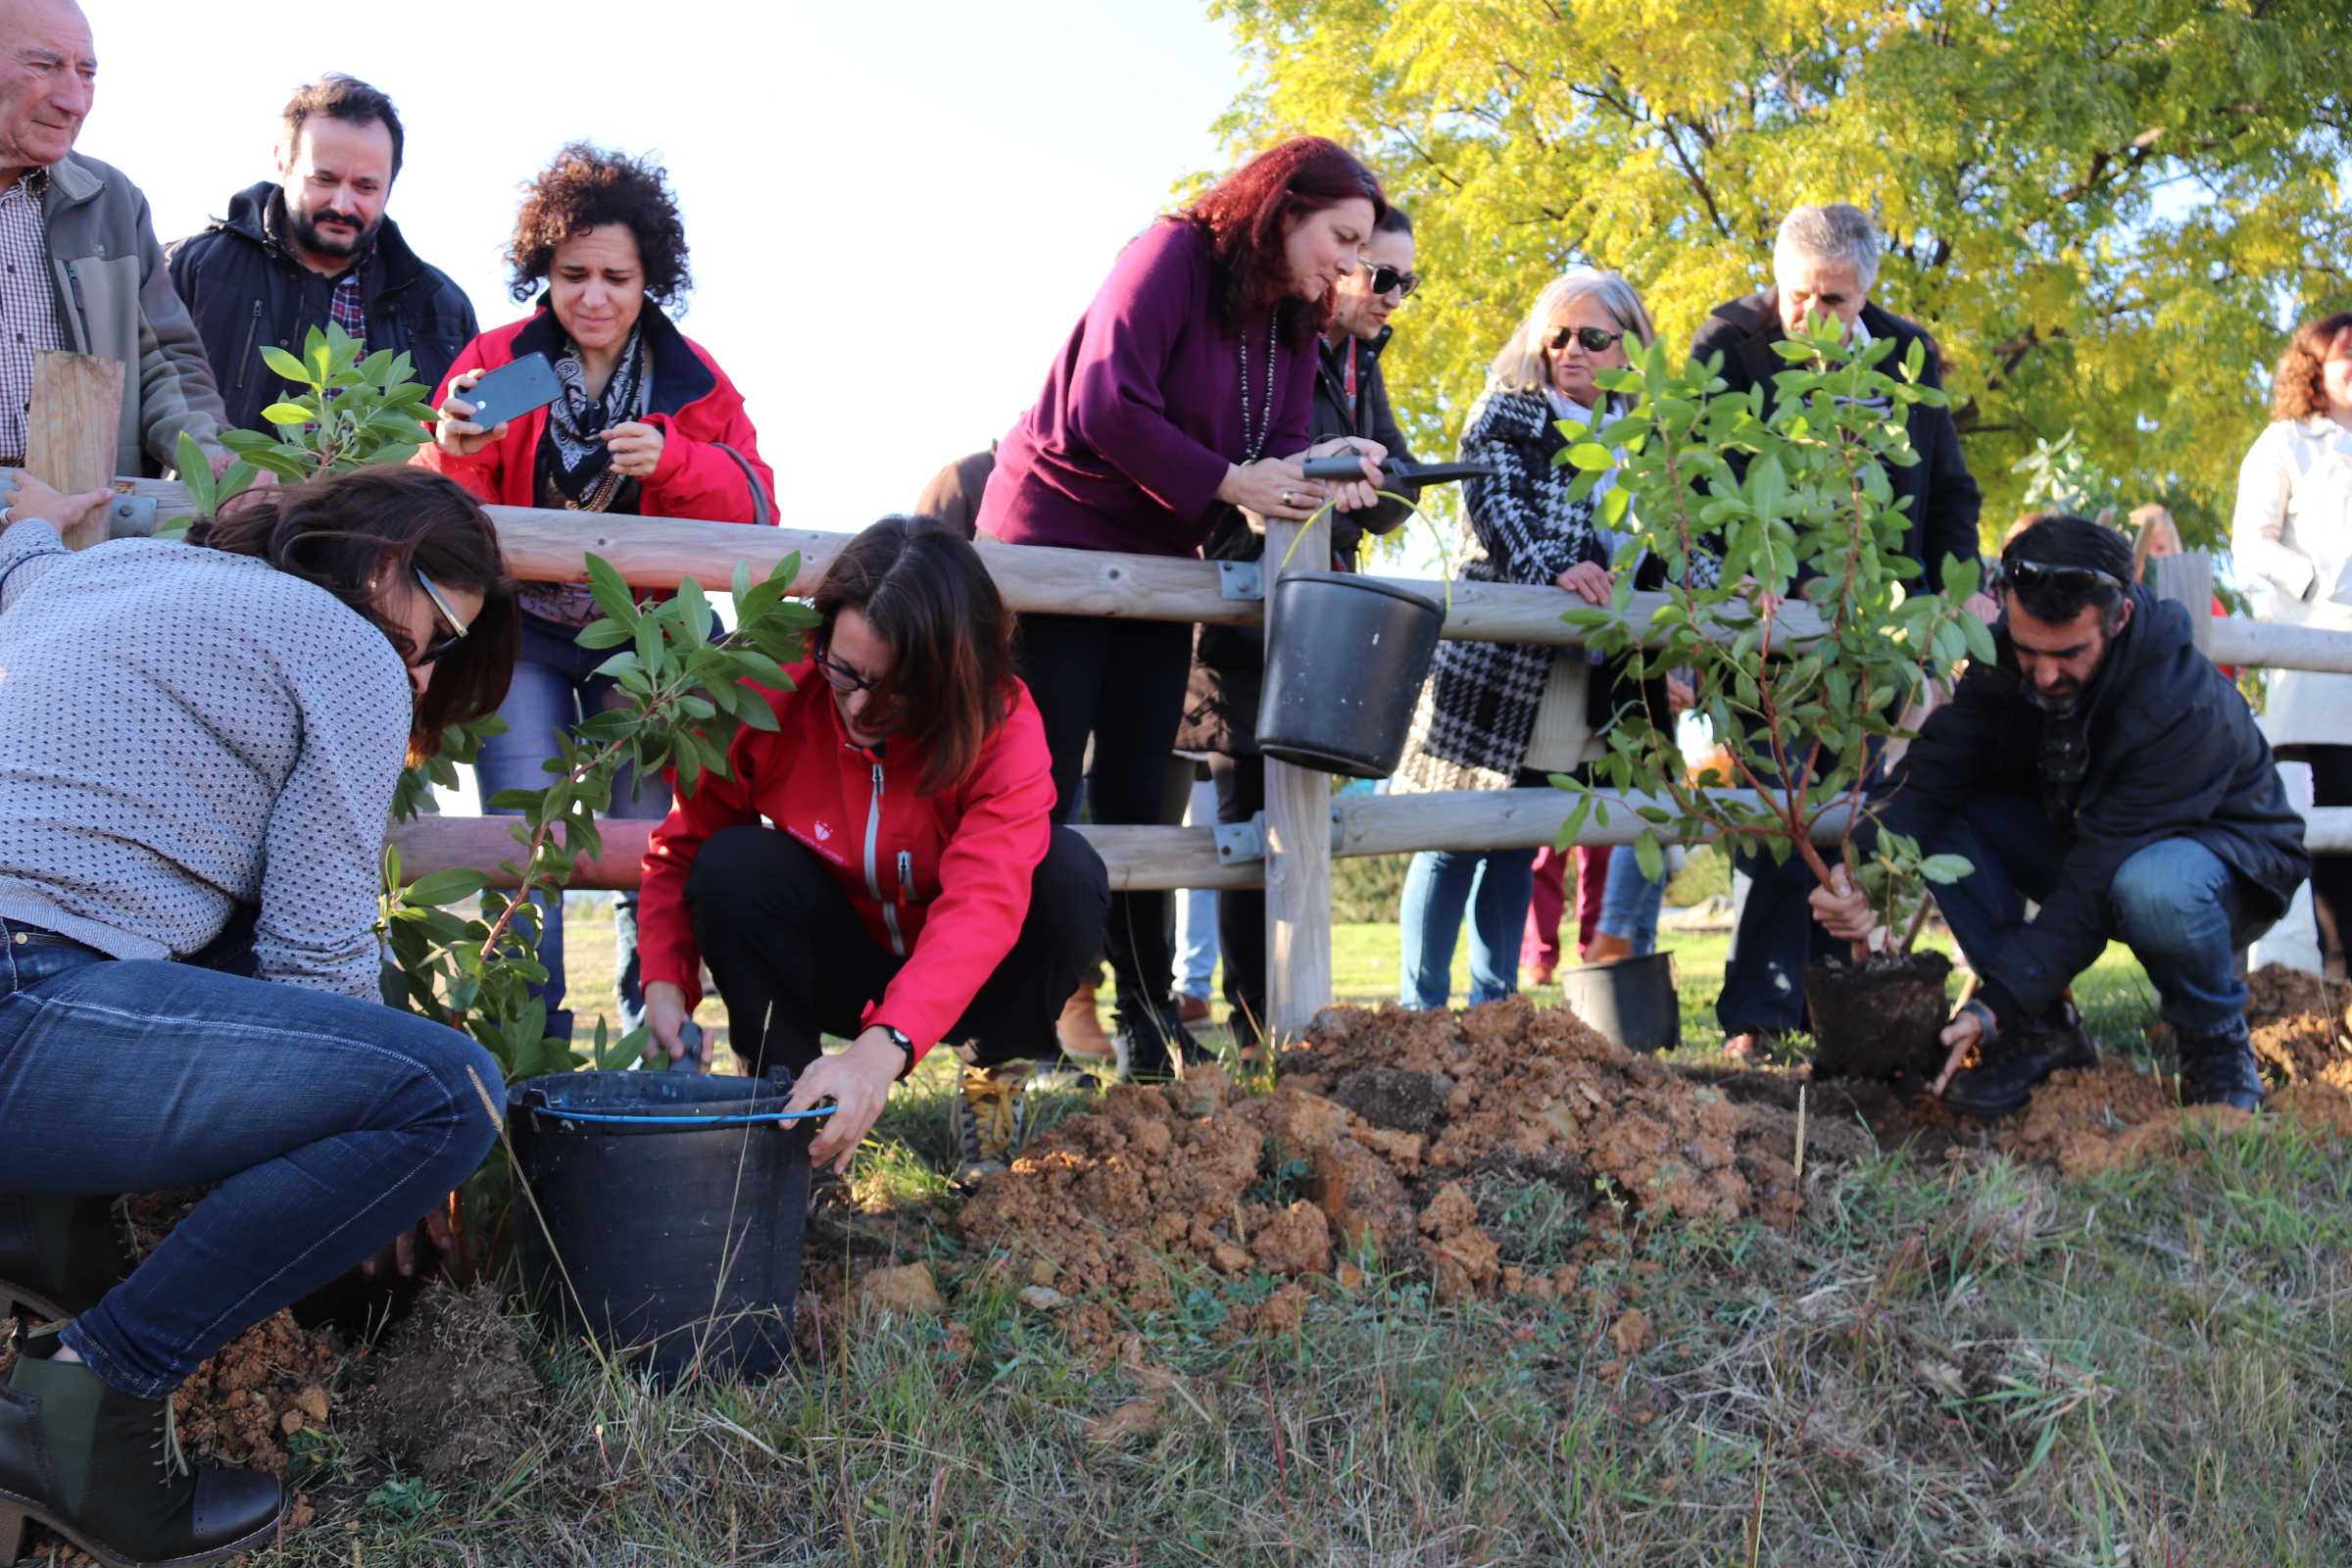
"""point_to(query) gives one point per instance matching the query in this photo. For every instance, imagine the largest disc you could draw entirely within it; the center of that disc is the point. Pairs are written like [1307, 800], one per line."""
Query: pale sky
[896, 212]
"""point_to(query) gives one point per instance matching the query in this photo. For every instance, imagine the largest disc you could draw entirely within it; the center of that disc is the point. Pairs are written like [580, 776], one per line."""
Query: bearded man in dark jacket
[315, 246]
[2103, 768]
[1229, 663]
[1824, 263]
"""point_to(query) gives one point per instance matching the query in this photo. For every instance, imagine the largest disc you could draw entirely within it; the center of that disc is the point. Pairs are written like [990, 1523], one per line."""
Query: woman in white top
[2295, 528]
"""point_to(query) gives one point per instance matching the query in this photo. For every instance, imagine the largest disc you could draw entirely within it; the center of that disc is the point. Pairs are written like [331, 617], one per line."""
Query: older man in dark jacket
[2104, 769]
[314, 246]
[1824, 263]
[1229, 663]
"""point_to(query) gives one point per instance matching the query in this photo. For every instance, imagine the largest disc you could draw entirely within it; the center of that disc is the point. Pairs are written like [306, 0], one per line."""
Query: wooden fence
[1305, 825]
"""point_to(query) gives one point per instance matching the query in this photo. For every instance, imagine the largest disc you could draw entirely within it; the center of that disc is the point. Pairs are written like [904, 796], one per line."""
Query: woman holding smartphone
[1183, 393]
[644, 423]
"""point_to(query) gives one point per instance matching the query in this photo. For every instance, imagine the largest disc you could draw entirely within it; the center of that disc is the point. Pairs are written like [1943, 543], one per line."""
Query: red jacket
[940, 880]
[694, 404]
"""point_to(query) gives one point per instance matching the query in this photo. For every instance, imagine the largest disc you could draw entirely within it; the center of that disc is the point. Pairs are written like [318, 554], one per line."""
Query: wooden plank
[2260, 645]
[1298, 865]
[2186, 580]
[69, 429]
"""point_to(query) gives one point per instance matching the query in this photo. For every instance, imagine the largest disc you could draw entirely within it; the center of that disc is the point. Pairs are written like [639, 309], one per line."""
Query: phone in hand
[513, 390]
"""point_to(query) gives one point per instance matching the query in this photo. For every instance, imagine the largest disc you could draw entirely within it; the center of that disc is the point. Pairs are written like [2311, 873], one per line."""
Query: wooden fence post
[2187, 580]
[69, 429]
[1298, 834]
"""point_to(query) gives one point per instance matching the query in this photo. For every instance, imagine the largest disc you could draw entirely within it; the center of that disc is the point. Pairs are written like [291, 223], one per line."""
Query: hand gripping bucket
[1344, 668]
[673, 1207]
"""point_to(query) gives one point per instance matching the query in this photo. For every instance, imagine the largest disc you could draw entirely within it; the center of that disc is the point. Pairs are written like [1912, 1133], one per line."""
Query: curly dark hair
[2295, 390]
[588, 187]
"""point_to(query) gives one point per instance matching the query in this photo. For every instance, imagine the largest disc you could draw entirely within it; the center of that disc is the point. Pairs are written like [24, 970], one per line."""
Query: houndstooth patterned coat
[1478, 709]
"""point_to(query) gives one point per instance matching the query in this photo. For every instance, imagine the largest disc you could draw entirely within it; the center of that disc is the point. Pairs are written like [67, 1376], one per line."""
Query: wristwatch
[898, 1037]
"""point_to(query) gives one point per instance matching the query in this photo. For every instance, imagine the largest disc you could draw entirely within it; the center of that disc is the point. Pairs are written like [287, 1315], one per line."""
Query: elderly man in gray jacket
[79, 267]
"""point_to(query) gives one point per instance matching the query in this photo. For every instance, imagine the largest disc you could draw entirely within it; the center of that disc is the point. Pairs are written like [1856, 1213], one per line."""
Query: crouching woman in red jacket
[914, 887]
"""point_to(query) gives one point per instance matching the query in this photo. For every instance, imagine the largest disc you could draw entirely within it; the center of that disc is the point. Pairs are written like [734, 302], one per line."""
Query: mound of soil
[266, 1384]
[1390, 1127]
[453, 1391]
[2298, 1022]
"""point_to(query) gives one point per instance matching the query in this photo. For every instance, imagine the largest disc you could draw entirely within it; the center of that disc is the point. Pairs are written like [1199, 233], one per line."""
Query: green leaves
[354, 411]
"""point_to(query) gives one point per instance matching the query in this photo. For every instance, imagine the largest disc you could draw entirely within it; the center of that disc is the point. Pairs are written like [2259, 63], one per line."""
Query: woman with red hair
[1183, 393]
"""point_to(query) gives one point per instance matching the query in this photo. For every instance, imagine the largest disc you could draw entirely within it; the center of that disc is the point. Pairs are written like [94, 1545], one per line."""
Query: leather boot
[58, 1256]
[1154, 1046]
[2017, 1060]
[103, 1470]
[2221, 1070]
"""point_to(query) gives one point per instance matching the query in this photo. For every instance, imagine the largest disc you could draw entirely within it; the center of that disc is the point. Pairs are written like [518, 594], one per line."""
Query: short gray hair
[1522, 366]
[1838, 234]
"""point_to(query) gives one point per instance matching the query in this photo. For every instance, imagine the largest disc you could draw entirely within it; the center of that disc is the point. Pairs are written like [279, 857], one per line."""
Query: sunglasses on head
[448, 616]
[1593, 339]
[1389, 280]
[2036, 573]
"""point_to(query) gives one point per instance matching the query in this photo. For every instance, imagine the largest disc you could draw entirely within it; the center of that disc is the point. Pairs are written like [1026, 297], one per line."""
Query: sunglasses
[449, 617]
[1593, 339]
[1389, 280]
[2066, 579]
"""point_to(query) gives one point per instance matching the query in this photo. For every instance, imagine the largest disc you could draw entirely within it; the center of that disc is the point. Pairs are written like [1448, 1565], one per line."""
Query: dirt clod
[264, 1385]
[454, 1394]
[2298, 1023]
[908, 1290]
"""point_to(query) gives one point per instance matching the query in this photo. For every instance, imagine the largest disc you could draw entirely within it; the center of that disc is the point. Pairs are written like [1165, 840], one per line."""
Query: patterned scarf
[578, 465]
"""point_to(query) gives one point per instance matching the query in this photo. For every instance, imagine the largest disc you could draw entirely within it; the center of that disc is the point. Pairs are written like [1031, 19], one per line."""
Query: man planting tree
[2102, 767]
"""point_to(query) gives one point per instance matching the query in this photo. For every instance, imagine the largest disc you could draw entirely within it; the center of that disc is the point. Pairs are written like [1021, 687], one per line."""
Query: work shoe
[2220, 1069]
[991, 1118]
[1154, 1046]
[2020, 1058]
[1081, 1031]
[103, 1470]
[59, 1254]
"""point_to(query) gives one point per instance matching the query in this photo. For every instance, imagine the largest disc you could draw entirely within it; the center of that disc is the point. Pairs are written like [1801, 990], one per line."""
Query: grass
[1947, 1363]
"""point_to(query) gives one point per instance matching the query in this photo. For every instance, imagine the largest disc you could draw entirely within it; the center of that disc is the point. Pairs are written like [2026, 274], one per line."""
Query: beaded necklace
[1255, 444]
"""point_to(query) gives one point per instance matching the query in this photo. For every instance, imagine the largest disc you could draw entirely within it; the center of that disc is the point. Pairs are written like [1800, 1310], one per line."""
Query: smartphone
[513, 390]
[690, 1034]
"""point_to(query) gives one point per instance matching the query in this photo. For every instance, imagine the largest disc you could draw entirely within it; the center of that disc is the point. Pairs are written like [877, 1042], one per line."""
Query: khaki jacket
[114, 300]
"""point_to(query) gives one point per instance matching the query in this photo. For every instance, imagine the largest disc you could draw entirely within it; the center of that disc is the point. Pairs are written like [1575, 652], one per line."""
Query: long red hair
[1248, 213]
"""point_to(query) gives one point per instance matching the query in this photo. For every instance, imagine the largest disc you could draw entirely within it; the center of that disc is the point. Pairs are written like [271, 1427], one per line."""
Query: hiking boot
[2020, 1058]
[991, 1118]
[1154, 1046]
[103, 1470]
[58, 1256]
[1081, 1031]
[2220, 1069]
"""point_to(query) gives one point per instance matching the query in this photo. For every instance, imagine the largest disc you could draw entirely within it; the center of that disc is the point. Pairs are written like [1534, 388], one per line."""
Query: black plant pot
[1344, 668]
[671, 1230]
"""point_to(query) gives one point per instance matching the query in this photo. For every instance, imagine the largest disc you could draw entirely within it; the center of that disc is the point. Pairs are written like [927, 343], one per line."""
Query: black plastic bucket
[674, 1204]
[1629, 1001]
[1344, 668]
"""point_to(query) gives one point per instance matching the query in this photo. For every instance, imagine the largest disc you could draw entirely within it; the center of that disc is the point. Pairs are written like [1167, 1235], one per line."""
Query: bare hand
[1961, 1035]
[1272, 487]
[1842, 910]
[457, 434]
[666, 1014]
[1352, 496]
[858, 1081]
[27, 497]
[429, 1236]
[636, 448]
[1984, 607]
[1681, 694]
[1588, 580]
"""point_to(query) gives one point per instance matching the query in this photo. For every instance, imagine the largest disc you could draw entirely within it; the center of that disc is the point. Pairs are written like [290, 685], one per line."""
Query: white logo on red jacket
[823, 831]
[816, 838]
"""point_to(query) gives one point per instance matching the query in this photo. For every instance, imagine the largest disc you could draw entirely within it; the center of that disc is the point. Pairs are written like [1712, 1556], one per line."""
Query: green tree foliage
[2100, 208]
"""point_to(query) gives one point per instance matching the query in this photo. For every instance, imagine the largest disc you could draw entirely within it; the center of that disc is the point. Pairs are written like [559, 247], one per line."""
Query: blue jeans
[1496, 886]
[554, 690]
[1630, 903]
[330, 1125]
[2181, 912]
[1196, 909]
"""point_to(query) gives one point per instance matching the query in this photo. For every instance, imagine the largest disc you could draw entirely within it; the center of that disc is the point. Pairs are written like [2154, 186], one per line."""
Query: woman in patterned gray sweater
[1502, 716]
[193, 741]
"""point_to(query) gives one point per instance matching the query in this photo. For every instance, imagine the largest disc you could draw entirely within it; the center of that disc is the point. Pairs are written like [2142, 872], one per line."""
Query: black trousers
[1241, 911]
[2330, 874]
[1120, 682]
[794, 961]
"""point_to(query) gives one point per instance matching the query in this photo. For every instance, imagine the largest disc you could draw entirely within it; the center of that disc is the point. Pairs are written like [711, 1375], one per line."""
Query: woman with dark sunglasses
[1506, 715]
[1182, 395]
[913, 888]
[199, 743]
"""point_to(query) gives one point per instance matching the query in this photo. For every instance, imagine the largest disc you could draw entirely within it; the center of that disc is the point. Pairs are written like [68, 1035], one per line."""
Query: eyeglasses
[1593, 339]
[846, 680]
[2066, 579]
[1389, 280]
[449, 616]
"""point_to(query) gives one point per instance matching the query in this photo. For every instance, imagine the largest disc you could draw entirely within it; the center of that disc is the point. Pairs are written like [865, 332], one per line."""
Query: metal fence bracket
[131, 517]
[1241, 579]
[1239, 842]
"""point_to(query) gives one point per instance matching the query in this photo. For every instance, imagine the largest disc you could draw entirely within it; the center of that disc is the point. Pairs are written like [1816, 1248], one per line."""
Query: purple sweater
[1141, 413]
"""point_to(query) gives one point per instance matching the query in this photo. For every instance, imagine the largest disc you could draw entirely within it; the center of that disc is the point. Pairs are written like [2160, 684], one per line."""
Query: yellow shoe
[991, 1118]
